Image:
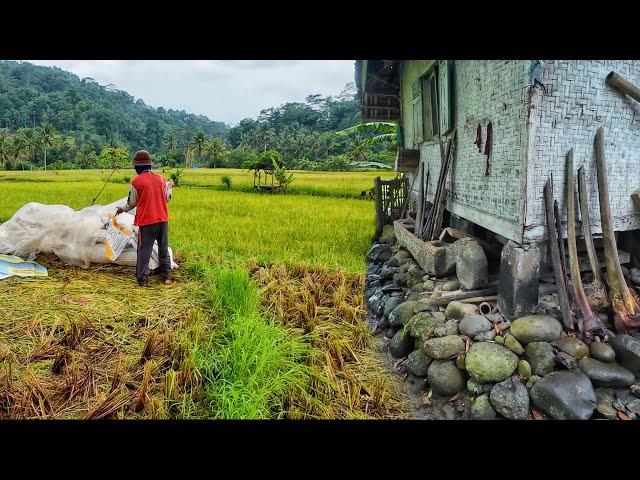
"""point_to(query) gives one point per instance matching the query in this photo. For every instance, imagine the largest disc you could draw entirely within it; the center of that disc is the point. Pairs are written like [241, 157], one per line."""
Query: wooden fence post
[377, 195]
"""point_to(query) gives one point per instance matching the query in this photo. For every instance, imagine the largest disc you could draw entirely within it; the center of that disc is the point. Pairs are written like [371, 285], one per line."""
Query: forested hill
[50, 118]
[93, 114]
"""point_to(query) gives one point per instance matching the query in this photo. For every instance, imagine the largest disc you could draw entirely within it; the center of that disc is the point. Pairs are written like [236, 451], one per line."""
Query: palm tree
[197, 143]
[30, 142]
[170, 142]
[17, 147]
[47, 139]
[5, 146]
[215, 149]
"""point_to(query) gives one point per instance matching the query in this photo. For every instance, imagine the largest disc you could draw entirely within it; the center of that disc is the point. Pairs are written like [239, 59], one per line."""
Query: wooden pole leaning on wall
[623, 86]
[377, 195]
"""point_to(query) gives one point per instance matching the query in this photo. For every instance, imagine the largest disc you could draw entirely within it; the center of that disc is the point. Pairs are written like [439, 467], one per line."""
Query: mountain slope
[92, 113]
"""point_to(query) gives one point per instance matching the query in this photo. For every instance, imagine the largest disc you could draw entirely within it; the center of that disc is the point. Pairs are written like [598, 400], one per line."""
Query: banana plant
[385, 132]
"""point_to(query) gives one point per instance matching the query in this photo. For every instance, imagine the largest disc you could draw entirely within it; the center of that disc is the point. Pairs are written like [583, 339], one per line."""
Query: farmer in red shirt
[149, 195]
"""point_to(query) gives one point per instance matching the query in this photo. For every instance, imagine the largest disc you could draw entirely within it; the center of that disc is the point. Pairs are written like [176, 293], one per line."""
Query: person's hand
[119, 210]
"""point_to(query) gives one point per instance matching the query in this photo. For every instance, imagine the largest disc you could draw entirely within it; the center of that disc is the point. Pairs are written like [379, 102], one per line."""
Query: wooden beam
[623, 86]
[635, 196]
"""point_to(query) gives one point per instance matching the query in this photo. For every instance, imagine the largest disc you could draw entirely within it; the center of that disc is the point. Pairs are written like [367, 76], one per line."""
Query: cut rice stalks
[329, 306]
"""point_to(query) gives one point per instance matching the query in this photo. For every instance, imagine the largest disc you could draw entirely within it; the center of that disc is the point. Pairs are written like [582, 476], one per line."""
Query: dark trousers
[147, 235]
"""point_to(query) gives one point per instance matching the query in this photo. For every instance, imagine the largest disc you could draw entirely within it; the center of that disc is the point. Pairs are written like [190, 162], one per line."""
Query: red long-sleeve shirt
[149, 195]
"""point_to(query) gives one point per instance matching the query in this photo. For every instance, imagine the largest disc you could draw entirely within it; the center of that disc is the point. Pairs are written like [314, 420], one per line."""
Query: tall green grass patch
[252, 366]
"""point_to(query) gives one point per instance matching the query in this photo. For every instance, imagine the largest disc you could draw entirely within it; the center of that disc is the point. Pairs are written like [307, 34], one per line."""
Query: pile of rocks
[527, 368]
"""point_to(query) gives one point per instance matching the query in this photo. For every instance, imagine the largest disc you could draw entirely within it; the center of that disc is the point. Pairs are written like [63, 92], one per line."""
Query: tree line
[50, 118]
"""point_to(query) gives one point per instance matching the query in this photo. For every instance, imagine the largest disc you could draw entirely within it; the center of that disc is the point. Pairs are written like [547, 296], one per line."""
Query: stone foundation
[514, 362]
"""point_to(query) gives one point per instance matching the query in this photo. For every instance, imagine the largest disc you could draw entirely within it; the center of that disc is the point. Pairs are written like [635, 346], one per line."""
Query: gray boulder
[444, 347]
[471, 263]
[511, 399]
[627, 351]
[402, 344]
[421, 324]
[445, 378]
[379, 253]
[489, 362]
[473, 325]
[536, 328]
[541, 357]
[390, 304]
[604, 374]
[573, 346]
[481, 409]
[457, 310]
[402, 313]
[565, 395]
[603, 352]
[418, 363]
[450, 327]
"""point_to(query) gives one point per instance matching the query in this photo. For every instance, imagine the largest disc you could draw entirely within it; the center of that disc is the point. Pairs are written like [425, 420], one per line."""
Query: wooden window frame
[430, 105]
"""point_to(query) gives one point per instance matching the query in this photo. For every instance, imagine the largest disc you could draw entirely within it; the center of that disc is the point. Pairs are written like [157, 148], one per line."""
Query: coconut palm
[29, 141]
[47, 139]
[5, 146]
[170, 142]
[196, 145]
[215, 149]
[17, 148]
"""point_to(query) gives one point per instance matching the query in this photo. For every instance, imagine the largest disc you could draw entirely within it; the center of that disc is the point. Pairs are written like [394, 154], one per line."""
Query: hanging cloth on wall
[487, 147]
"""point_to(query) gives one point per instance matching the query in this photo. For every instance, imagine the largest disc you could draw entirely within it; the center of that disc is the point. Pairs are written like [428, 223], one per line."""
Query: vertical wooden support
[420, 206]
[635, 196]
[377, 195]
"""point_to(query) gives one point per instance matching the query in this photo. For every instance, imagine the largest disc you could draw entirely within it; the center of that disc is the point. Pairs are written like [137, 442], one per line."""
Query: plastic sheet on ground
[11, 265]
[78, 237]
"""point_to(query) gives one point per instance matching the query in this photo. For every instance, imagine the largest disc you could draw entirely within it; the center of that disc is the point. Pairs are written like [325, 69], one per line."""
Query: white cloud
[223, 90]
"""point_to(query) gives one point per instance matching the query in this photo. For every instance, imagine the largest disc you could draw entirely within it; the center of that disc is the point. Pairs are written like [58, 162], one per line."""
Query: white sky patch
[223, 90]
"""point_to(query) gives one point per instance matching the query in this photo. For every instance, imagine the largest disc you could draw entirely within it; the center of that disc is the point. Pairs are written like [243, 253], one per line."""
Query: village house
[514, 121]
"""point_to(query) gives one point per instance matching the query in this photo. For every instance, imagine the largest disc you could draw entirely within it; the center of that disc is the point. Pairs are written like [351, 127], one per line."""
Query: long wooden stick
[586, 232]
[437, 222]
[486, 298]
[578, 290]
[623, 86]
[624, 305]
[438, 205]
[563, 253]
[425, 234]
[461, 296]
[558, 273]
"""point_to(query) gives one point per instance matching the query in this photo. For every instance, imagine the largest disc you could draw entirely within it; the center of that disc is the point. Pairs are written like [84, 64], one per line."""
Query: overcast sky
[223, 90]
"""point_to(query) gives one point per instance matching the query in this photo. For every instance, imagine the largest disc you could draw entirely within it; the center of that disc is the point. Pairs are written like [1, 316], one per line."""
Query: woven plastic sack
[77, 237]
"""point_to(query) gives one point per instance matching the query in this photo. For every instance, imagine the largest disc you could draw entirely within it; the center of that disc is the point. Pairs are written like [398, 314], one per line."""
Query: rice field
[266, 319]
[320, 231]
[335, 184]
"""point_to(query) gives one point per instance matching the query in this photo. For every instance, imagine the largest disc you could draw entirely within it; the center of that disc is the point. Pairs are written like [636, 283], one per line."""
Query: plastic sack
[77, 237]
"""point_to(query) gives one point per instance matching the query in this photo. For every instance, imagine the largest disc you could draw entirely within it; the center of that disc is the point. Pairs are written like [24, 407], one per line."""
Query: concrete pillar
[518, 280]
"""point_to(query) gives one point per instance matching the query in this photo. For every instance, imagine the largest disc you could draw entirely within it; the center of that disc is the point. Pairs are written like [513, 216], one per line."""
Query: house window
[437, 101]
[430, 105]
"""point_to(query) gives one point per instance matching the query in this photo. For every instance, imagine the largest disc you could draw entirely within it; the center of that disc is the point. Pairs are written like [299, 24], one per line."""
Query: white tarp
[78, 237]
